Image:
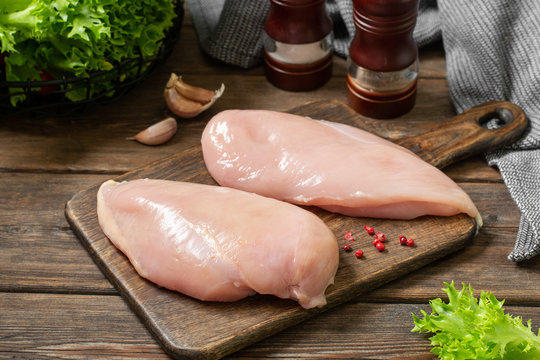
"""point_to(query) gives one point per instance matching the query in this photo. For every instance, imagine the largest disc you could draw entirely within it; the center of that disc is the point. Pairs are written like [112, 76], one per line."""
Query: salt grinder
[298, 44]
[383, 58]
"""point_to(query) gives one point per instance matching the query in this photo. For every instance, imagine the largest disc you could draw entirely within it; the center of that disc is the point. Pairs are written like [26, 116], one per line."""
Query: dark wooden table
[55, 302]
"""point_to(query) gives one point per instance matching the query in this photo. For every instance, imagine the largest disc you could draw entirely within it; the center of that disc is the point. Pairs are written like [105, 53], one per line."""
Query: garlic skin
[187, 101]
[158, 133]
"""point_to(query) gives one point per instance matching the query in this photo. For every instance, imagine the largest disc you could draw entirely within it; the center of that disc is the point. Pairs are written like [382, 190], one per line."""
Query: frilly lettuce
[76, 37]
[469, 329]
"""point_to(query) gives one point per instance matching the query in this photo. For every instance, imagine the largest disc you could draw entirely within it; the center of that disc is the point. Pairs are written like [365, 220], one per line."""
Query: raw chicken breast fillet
[219, 244]
[334, 166]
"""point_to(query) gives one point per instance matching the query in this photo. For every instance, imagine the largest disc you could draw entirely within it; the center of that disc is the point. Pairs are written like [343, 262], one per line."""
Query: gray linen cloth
[492, 50]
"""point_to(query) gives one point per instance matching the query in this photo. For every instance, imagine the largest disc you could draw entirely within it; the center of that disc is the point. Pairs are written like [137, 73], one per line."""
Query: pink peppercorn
[369, 230]
[402, 240]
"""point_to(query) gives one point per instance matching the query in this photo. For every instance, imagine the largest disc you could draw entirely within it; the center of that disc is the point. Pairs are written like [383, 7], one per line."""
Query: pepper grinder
[298, 44]
[383, 58]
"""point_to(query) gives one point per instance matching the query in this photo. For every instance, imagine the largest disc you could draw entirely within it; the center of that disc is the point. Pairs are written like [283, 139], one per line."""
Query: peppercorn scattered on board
[188, 328]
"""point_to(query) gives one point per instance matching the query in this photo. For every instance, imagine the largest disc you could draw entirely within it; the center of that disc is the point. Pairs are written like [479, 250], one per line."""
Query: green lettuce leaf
[465, 328]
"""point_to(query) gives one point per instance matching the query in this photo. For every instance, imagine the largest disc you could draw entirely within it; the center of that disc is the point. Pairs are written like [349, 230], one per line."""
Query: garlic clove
[194, 93]
[158, 133]
[187, 101]
[182, 106]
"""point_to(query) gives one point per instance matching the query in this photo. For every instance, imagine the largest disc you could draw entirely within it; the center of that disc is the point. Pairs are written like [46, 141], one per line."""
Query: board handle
[466, 134]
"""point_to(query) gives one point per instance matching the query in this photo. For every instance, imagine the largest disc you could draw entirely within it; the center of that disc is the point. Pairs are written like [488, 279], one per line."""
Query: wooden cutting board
[188, 328]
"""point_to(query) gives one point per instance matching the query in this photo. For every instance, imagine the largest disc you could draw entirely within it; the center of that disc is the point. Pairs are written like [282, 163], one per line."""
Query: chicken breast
[337, 167]
[219, 244]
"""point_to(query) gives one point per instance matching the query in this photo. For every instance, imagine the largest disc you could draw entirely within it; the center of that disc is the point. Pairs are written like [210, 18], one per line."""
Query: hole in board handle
[496, 119]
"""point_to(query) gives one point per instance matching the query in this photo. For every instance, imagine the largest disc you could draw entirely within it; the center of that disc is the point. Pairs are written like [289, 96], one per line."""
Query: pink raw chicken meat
[219, 244]
[337, 167]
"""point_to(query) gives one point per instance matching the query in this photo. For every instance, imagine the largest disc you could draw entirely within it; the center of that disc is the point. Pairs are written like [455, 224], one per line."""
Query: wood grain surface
[56, 303]
[195, 329]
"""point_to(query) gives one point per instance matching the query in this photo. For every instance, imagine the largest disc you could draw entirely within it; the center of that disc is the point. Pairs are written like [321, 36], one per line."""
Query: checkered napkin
[492, 52]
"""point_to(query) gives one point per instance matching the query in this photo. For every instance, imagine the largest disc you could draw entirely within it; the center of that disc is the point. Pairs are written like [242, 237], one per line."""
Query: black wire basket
[125, 75]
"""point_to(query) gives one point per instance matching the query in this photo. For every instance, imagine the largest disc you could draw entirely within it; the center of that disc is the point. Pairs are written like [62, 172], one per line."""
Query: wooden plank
[38, 252]
[494, 213]
[432, 61]
[72, 326]
[483, 263]
[93, 143]
[473, 169]
[42, 259]
[84, 326]
[38, 199]
[49, 260]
